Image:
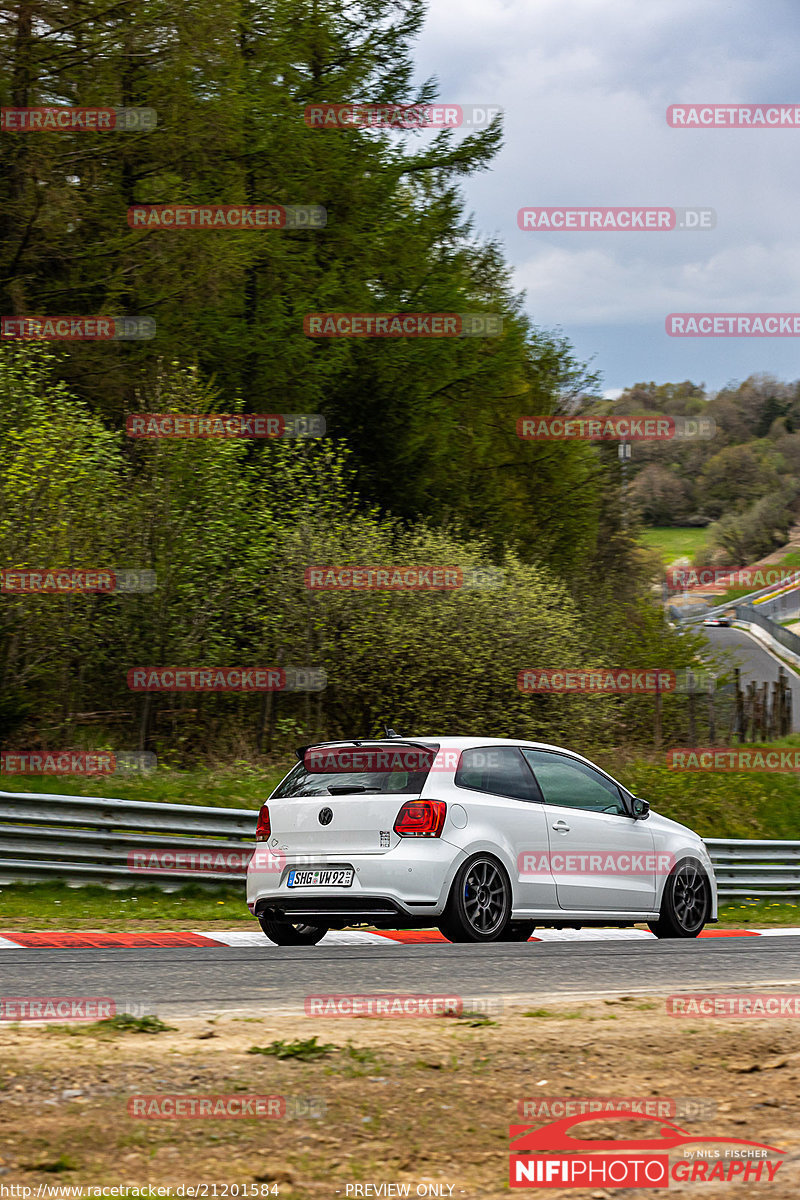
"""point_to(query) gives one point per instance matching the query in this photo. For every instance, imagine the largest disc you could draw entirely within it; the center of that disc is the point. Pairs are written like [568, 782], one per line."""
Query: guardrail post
[788, 710]
[749, 712]
[774, 710]
[737, 730]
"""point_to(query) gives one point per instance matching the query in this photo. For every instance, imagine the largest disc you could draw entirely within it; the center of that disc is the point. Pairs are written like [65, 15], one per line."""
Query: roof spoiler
[391, 735]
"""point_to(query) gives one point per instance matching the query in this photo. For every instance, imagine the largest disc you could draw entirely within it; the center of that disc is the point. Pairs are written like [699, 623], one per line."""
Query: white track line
[774, 932]
[593, 935]
[239, 937]
[334, 938]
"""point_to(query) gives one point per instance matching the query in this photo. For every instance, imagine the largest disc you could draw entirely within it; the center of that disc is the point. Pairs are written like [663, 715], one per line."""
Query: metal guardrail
[755, 868]
[87, 839]
[784, 604]
[686, 613]
[784, 636]
[780, 605]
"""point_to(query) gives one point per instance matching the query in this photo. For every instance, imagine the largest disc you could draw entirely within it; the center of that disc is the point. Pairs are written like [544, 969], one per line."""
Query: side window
[572, 784]
[497, 769]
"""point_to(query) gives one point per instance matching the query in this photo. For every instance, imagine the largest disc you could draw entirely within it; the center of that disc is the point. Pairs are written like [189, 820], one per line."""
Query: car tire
[285, 933]
[479, 905]
[517, 931]
[686, 903]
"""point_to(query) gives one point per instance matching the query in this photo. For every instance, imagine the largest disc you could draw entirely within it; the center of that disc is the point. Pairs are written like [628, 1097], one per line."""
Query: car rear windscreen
[374, 769]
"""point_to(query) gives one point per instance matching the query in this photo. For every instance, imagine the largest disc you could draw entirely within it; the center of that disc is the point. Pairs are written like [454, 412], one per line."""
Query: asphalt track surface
[199, 980]
[753, 660]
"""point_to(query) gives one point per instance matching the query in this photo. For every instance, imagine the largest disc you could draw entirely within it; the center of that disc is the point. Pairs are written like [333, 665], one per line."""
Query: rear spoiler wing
[301, 750]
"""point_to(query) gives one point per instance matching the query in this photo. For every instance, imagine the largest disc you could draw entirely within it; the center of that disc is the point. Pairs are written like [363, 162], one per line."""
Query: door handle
[561, 827]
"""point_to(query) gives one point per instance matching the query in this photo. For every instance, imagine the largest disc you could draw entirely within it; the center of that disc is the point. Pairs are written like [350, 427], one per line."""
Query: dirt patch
[421, 1102]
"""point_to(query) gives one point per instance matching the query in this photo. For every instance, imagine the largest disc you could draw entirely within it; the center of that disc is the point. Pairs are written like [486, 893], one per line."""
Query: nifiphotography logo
[670, 1154]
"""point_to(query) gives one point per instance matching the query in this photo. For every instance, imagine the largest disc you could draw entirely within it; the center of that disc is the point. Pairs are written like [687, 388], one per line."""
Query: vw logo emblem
[325, 816]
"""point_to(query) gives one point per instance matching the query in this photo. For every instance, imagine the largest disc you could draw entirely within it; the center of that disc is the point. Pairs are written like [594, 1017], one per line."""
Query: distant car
[482, 837]
[726, 621]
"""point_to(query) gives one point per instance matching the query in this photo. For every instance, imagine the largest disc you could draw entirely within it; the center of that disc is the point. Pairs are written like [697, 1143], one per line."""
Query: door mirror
[640, 809]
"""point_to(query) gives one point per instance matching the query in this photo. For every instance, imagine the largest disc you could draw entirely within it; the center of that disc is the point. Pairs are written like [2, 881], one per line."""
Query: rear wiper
[346, 789]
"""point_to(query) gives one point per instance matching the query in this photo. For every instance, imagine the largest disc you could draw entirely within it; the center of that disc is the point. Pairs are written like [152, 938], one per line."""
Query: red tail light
[421, 818]
[263, 827]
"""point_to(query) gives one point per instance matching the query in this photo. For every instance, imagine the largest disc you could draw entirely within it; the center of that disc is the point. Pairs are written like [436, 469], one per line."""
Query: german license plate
[333, 877]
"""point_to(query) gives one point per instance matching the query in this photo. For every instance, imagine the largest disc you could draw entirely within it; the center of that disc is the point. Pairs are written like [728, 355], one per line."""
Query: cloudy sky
[584, 85]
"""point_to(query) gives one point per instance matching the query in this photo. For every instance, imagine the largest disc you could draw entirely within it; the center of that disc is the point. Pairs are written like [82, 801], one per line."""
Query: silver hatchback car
[485, 838]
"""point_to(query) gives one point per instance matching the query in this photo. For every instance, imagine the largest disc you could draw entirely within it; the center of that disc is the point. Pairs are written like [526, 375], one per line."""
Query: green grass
[56, 1166]
[546, 1014]
[744, 913]
[56, 906]
[789, 562]
[732, 595]
[471, 1019]
[735, 594]
[34, 907]
[724, 804]
[307, 1050]
[128, 1023]
[721, 805]
[241, 785]
[673, 542]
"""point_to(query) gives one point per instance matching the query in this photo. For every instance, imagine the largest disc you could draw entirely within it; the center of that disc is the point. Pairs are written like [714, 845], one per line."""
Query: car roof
[469, 743]
[455, 743]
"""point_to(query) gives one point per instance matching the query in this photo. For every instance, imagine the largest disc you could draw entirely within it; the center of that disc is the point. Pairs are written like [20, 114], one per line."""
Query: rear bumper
[407, 883]
[328, 910]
